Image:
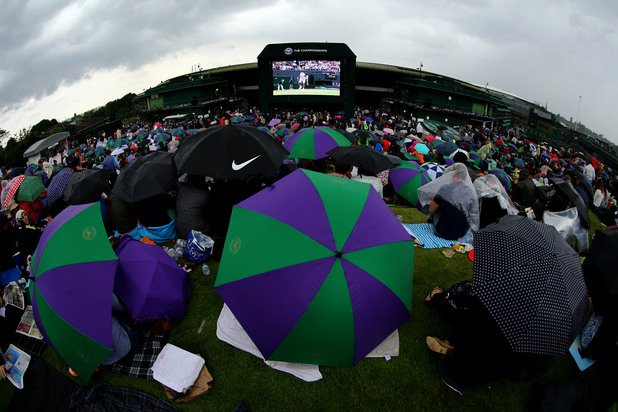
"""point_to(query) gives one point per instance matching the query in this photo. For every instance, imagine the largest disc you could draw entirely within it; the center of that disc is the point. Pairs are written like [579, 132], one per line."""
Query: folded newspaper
[13, 295]
[176, 368]
[17, 362]
[27, 325]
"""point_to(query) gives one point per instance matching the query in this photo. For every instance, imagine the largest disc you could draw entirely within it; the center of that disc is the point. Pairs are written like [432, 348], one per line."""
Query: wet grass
[406, 382]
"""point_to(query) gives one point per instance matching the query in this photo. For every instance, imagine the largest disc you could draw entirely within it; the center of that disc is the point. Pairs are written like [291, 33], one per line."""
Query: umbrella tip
[338, 255]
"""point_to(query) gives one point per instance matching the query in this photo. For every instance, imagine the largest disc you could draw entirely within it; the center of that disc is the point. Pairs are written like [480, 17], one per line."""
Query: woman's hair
[599, 184]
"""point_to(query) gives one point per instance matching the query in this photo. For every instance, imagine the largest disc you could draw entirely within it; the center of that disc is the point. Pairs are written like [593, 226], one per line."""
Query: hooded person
[452, 203]
[493, 200]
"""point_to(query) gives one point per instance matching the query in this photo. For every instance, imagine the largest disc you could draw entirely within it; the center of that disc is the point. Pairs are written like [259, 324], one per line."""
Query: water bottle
[172, 253]
[179, 250]
[205, 269]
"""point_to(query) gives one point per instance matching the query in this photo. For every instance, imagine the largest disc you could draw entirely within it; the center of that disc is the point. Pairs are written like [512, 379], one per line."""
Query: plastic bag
[568, 225]
[198, 247]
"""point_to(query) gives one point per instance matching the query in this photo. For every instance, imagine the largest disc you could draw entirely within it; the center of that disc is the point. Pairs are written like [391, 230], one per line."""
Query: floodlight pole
[577, 116]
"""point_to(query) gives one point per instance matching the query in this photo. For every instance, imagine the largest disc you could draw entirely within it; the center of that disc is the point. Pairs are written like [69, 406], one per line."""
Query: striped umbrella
[237, 119]
[11, 190]
[314, 142]
[316, 269]
[406, 178]
[30, 189]
[73, 272]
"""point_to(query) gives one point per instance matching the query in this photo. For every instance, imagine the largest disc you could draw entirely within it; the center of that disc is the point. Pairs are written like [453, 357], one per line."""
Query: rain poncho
[490, 186]
[456, 188]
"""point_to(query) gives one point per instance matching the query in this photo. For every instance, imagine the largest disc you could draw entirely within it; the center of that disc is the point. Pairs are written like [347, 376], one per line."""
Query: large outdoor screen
[306, 78]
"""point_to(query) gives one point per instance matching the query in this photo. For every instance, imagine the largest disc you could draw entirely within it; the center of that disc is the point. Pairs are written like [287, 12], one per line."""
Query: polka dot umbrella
[531, 283]
[406, 178]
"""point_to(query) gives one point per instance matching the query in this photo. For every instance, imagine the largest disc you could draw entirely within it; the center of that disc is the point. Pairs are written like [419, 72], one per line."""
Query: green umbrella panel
[30, 189]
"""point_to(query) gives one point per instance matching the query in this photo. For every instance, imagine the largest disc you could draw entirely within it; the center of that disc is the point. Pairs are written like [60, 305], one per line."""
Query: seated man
[477, 352]
[452, 203]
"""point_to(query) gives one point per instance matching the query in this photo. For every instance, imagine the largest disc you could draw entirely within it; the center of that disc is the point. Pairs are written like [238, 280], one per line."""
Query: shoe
[434, 292]
[438, 345]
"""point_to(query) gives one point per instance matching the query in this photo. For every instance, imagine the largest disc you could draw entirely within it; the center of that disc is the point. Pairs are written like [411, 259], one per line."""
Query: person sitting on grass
[477, 353]
[343, 171]
[451, 202]
[127, 337]
[366, 176]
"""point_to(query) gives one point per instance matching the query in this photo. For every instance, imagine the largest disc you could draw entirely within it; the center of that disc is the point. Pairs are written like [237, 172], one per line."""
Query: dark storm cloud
[50, 43]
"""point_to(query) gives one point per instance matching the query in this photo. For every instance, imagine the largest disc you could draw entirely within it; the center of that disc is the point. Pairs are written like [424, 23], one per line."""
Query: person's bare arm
[433, 206]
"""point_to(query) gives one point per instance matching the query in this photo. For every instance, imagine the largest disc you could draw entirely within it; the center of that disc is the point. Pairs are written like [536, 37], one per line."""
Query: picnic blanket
[229, 330]
[424, 233]
[140, 363]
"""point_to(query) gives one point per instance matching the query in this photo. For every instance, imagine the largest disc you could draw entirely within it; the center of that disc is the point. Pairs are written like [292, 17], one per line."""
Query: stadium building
[268, 85]
[326, 76]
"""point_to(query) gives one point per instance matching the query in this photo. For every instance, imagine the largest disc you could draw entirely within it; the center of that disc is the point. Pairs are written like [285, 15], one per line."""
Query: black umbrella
[87, 186]
[361, 156]
[571, 194]
[446, 149]
[531, 283]
[600, 270]
[145, 177]
[585, 183]
[229, 152]
[394, 159]
[350, 136]
[366, 136]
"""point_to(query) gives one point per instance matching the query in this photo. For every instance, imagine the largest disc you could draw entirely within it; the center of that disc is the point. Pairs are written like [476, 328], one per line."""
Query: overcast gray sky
[62, 57]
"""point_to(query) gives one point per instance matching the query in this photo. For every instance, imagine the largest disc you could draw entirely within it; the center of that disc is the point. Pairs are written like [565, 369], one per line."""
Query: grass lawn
[406, 382]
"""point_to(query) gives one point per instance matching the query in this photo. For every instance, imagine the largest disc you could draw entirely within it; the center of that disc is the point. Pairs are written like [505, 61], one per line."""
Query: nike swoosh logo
[243, 164]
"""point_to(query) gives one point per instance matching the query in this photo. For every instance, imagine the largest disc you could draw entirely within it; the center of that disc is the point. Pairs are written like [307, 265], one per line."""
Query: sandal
[439, 345]
[433, 293]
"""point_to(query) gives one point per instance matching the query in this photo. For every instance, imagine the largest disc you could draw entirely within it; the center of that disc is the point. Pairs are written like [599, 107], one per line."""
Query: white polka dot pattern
[531, 282]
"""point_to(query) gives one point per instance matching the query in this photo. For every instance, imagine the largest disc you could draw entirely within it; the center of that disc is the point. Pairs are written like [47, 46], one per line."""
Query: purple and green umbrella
[264, 129]
[519, 162]
[237, 119]
[141, 136]
[314, 142]
[178, 132]
[161, 137]
[407, 178]
[317, 269]
[73, 271]
[283, 133]
[474, 159]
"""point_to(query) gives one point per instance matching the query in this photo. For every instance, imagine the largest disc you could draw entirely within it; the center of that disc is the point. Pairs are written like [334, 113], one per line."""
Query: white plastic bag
[568, 225]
